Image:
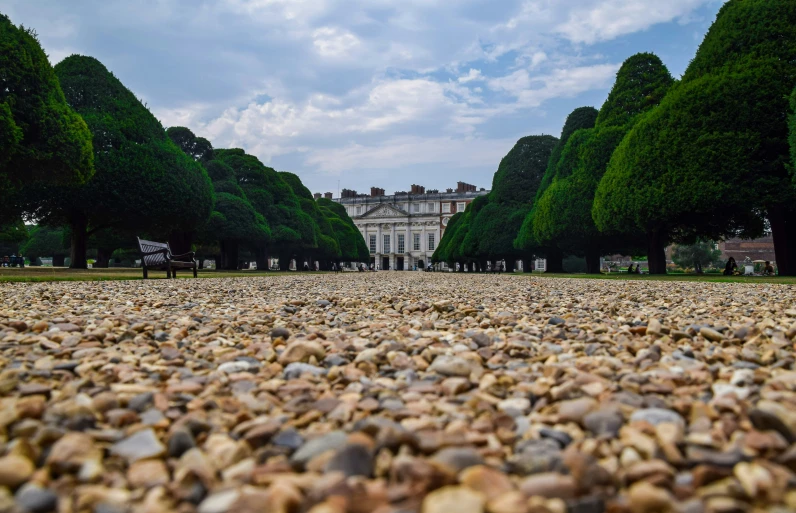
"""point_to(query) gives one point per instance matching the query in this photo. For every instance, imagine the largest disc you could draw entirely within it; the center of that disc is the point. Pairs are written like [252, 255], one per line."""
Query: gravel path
[397, 392]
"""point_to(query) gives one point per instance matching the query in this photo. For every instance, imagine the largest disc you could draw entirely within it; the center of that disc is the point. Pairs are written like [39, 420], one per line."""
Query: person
[630, 269]
[731, 268]
[638, 268]
[768, 270]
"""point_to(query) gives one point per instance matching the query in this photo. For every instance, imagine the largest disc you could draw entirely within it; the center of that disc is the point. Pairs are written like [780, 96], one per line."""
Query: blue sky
[369, 92]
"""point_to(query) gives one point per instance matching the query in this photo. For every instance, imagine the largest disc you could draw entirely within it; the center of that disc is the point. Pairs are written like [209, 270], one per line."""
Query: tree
[327, 248]
[46, 241]
[41, 138]
[491, 222]
[710, 161]
[234, 221]
[580, 118]
[563, 214]
[12, 235]
[142, 182]
[198, 148]
[697, 256]
[292, 230]
[349, 238]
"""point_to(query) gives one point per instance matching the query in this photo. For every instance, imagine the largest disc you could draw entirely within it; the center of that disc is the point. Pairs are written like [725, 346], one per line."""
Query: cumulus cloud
[325, 86]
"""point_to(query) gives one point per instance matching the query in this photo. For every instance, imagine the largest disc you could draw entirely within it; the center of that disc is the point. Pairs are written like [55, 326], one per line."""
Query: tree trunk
[656, 251]
[592, 259]
[200, 262]
[180, 241]
[284, 262]
[58, 260]
[35, 261]
[103, 258]
[555, 261]
[229, 255]
[77, 253]
[510, 263]
[261, 257]
[783, 230]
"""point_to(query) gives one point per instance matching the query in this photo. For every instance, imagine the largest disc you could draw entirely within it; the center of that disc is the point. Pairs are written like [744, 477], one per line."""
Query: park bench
[157, 255]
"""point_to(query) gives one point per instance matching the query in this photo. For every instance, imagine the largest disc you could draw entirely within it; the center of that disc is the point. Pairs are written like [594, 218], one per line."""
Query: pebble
[404, 392]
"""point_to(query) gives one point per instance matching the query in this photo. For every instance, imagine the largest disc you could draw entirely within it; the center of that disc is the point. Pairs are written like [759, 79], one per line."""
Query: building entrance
[399, 264]
[385, 263]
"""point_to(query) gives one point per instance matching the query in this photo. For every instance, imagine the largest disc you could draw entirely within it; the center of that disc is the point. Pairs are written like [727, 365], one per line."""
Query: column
[393, 248]
[408, 247]
[424, 244]
[367, 240]
[379, 246]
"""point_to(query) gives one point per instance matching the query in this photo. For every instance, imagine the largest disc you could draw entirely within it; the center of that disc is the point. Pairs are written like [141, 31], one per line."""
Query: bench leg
[145, 273]
[194, 271]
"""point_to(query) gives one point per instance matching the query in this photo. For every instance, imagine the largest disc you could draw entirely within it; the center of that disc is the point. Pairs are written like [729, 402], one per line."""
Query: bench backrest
[153, 260]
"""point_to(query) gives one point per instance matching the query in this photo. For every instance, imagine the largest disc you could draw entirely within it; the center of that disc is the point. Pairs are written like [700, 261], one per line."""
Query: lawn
[715, 278]
[37, 274]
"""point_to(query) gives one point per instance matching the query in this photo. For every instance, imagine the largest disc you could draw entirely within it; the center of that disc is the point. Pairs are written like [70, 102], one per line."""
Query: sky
[361, 93]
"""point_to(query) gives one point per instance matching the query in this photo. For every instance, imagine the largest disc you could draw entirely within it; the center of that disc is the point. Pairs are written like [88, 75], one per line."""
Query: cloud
[473, 74]
[320, 86]
[600, 20]
[333, 42]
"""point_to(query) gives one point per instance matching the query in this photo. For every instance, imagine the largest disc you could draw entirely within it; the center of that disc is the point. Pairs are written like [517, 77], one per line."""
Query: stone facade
[403, 230]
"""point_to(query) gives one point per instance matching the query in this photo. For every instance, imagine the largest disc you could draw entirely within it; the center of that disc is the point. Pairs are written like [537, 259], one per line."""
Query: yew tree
[712, 159]
[563, 214]
[580, 118]
[41, 138]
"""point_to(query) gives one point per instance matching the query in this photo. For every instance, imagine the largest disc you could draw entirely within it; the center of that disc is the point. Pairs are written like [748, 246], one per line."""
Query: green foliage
[142, 182]
[349, 238]
[41, 137]
[490, 224]
[12, 235]
[696, 256]
[792, 133]
[197, 148]
[45, 241]
[563, 214]
[712, 157]
[578, 119]
[235, 219]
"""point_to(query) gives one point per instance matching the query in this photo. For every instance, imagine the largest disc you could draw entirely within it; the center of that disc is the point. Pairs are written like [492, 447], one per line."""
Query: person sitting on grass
[768, 270]
[731, 268]
[630, 269]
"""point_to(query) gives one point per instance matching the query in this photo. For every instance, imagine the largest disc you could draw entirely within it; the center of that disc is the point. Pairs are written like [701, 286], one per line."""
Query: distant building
[402, 230]
[755, 249]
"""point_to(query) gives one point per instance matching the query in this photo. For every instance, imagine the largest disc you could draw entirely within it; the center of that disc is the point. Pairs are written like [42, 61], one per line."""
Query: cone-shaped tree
[562, 215]
[349, 238]
[580, 118]
[713, 155]
[496, 221]
[142, 182]
[328, 249]
[41, 137]
[292, 231]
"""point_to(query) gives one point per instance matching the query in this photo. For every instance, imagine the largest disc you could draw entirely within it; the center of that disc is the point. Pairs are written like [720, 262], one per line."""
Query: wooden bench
[157, 255]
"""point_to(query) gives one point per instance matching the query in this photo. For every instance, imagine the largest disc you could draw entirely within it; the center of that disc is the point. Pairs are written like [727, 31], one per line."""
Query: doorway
[399, 264]
[385, 263]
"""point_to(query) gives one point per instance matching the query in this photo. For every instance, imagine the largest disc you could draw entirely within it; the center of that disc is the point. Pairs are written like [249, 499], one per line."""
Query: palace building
[402, 230]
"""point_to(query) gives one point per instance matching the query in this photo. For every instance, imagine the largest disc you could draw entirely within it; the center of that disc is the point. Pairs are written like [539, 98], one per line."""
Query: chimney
[464, 187]
[376, 192]
[348, 193]
[449, 190]
[328, 195]
[317, 195]
[418, 189]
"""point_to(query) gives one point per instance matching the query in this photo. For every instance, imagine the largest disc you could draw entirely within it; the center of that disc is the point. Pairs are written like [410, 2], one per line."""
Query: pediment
[385, 210]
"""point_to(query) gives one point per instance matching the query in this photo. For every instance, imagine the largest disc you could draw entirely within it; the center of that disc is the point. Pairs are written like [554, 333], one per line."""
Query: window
[460, 207]
[386, 245]
[431, 207]
[401, 243]
[416, 208]
[416, 242]
[359, 211]
[431, 241]
[446, 208]
[372, 243]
